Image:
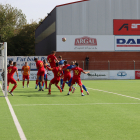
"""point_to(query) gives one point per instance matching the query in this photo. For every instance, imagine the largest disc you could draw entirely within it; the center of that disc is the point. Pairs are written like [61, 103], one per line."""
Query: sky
[35, 9]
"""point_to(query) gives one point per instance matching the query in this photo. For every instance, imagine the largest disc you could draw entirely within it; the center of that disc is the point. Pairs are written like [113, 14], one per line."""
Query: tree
[11, 20]
[24, 42]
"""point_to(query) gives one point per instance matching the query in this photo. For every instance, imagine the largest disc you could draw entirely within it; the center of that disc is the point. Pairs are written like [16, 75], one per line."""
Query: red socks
[13, 88]
[27, 82]
[46, 84]
[81, 91]
[42, 83]
[36, 82]
[63, 85]
[49, 90]
[23, 83]
[69, 89]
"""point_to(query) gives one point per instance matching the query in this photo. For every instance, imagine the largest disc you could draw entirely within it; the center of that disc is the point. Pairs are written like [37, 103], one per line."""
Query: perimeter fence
[110, 65]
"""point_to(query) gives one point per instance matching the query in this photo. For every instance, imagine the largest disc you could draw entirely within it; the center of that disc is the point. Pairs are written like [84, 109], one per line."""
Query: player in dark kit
[41, 72]
[52, 59]
[57, 74]
[10, 79]
[76, 78]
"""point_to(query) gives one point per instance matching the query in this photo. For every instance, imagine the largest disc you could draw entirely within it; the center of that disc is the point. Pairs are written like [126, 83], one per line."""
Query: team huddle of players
[63, 73]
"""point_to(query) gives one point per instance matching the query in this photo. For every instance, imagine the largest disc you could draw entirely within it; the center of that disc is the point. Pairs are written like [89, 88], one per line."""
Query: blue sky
[35, 9]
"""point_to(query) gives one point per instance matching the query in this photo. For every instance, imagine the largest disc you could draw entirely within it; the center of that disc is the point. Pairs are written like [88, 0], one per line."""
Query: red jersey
[40, 65]
[57, 72]
[76, 72]
[67, 71]
[11, 71]
[51, 59]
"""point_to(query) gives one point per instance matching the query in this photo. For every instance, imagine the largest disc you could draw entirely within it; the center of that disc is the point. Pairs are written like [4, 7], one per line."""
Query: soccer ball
[63, 39]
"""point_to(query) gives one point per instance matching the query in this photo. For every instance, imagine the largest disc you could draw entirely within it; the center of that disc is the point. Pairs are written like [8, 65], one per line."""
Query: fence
[110, 65]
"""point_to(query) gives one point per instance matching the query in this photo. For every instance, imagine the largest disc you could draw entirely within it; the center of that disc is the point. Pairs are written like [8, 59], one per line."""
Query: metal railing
[110, 65]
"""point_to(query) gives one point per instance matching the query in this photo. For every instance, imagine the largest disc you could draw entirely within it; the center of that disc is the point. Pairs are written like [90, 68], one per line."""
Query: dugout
[93, 28]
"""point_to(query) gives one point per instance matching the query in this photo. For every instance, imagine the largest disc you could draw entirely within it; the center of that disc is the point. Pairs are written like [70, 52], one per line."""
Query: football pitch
[110, 112]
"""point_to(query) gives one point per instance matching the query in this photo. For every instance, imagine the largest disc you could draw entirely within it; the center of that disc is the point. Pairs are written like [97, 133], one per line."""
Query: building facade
[102, 29]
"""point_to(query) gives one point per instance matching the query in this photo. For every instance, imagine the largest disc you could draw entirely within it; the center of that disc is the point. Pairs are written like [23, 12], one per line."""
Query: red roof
[71, 3]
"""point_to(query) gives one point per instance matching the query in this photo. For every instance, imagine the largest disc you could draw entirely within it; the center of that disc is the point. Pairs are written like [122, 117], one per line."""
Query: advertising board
[137, 74]
[85, 43]
[127, 43]
[33, 75]
[126, 27]
[22, 59]
[96, 74]
[122, 74]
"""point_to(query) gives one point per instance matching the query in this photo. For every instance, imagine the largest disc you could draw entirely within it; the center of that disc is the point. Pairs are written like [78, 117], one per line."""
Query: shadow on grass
[41, 95]
[2, 96]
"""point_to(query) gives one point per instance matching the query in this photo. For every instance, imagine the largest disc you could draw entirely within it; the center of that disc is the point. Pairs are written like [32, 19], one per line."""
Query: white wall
[94, 17]
[22, 59]
[33, 75]
[109, 74]
[103, 43]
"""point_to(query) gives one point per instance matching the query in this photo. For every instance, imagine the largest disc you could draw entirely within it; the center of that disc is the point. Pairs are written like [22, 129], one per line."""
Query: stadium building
[105, 30]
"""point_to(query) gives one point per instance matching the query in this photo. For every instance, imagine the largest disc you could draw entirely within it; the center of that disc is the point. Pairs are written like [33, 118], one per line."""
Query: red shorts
[78, 81]
[66, 77]
[55, 81]
[41, 73]
[11, 80]
[52, 65]
[26, 77]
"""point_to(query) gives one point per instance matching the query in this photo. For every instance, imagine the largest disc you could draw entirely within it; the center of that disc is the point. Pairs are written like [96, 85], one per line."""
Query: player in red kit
[67, 74]
[76, 78]
[52, 59]
[41, 72]
[11, 70]
[57, 74]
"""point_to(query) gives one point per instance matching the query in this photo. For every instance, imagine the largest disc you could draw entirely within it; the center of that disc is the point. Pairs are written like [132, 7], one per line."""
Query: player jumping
[41, 72]
[57, 74]
[26, 73]
[10, 79]
[52, 59]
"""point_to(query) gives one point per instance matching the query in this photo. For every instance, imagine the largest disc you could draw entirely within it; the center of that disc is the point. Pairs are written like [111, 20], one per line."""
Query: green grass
[73, 117]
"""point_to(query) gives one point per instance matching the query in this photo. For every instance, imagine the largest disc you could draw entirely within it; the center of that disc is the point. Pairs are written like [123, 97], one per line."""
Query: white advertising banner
[122, 74]
[33, 75]
[22, 59]
[96, 74]
[127, 43]
[85, 43]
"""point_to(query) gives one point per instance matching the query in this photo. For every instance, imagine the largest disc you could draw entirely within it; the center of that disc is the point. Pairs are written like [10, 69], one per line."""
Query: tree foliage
[24, 42]
[11, 19]
[14, 30]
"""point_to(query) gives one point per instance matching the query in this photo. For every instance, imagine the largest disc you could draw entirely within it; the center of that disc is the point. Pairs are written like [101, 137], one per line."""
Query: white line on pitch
[17, 124]
[76, 104]
[115, 93]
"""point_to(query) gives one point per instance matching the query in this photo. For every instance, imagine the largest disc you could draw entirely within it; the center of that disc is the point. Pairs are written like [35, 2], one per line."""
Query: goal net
[3, 67]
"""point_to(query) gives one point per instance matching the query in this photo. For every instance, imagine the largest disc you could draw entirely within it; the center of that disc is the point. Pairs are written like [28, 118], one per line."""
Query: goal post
[3, 67]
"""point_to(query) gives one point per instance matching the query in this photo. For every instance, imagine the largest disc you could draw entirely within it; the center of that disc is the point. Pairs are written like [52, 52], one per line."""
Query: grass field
[110, 112]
